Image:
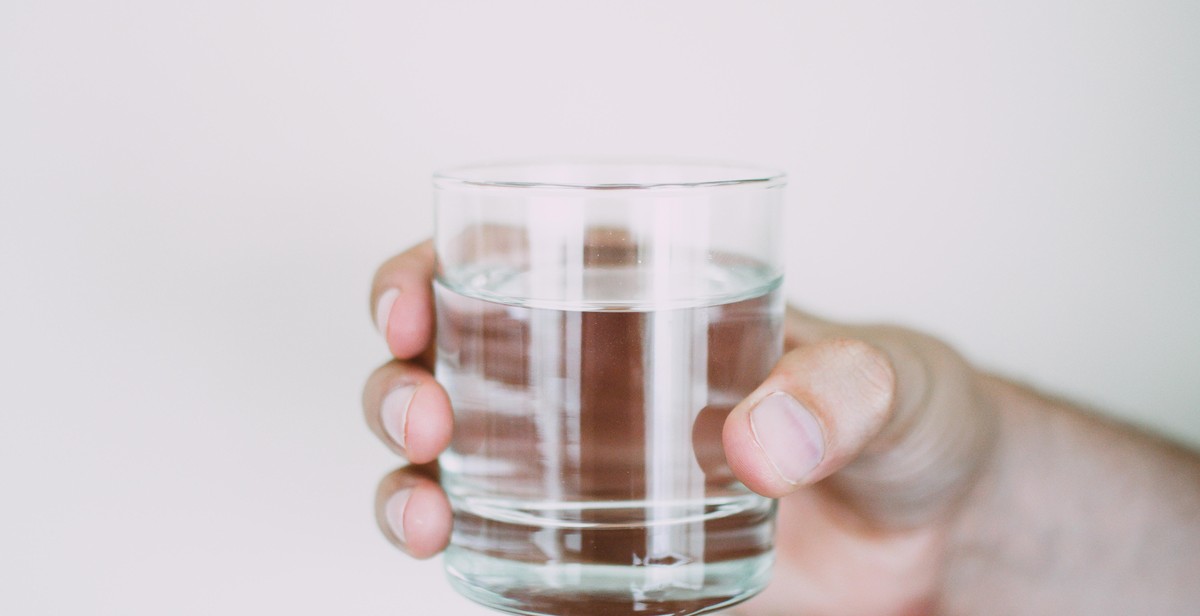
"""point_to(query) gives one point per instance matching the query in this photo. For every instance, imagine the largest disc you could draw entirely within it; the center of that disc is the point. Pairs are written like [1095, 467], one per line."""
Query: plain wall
[195, 196]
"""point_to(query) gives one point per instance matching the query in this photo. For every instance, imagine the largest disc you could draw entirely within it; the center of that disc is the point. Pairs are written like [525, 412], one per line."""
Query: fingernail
[394, 412]
[383, 308]
[394, 510]
[789, 434]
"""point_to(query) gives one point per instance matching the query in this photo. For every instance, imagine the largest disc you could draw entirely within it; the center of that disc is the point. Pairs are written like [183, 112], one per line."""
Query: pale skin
[913, 483]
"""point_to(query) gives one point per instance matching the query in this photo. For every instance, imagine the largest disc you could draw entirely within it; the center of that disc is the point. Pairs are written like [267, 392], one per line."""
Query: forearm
[1075, 514]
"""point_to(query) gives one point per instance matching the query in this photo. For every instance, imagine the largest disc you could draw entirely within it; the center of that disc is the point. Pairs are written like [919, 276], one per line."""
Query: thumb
[813, 414]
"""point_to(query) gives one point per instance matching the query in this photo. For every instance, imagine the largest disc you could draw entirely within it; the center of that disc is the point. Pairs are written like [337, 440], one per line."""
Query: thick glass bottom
[576, 589]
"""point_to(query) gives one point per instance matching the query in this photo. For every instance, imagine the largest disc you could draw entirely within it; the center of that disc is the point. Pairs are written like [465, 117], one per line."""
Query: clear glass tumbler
[596, 324]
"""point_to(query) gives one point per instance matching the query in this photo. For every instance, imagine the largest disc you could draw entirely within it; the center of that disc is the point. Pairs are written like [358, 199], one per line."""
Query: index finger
[402, 301]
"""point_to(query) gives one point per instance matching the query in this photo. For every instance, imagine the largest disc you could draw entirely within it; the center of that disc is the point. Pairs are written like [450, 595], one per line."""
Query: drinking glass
[596, 323]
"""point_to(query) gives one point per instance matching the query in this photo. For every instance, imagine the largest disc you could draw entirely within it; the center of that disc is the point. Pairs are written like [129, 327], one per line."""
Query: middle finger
[408, 410]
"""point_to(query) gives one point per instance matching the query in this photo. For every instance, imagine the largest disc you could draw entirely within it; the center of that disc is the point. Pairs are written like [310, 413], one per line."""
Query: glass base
[574, 589]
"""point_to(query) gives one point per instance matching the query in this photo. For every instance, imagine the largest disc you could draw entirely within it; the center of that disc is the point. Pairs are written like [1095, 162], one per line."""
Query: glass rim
[726, 174]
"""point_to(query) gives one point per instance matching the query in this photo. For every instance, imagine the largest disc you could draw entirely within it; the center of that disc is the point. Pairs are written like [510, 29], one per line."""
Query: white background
[194, 197]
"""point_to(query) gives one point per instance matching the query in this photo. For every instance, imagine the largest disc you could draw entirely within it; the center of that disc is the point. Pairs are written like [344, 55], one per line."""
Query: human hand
[870, 436]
